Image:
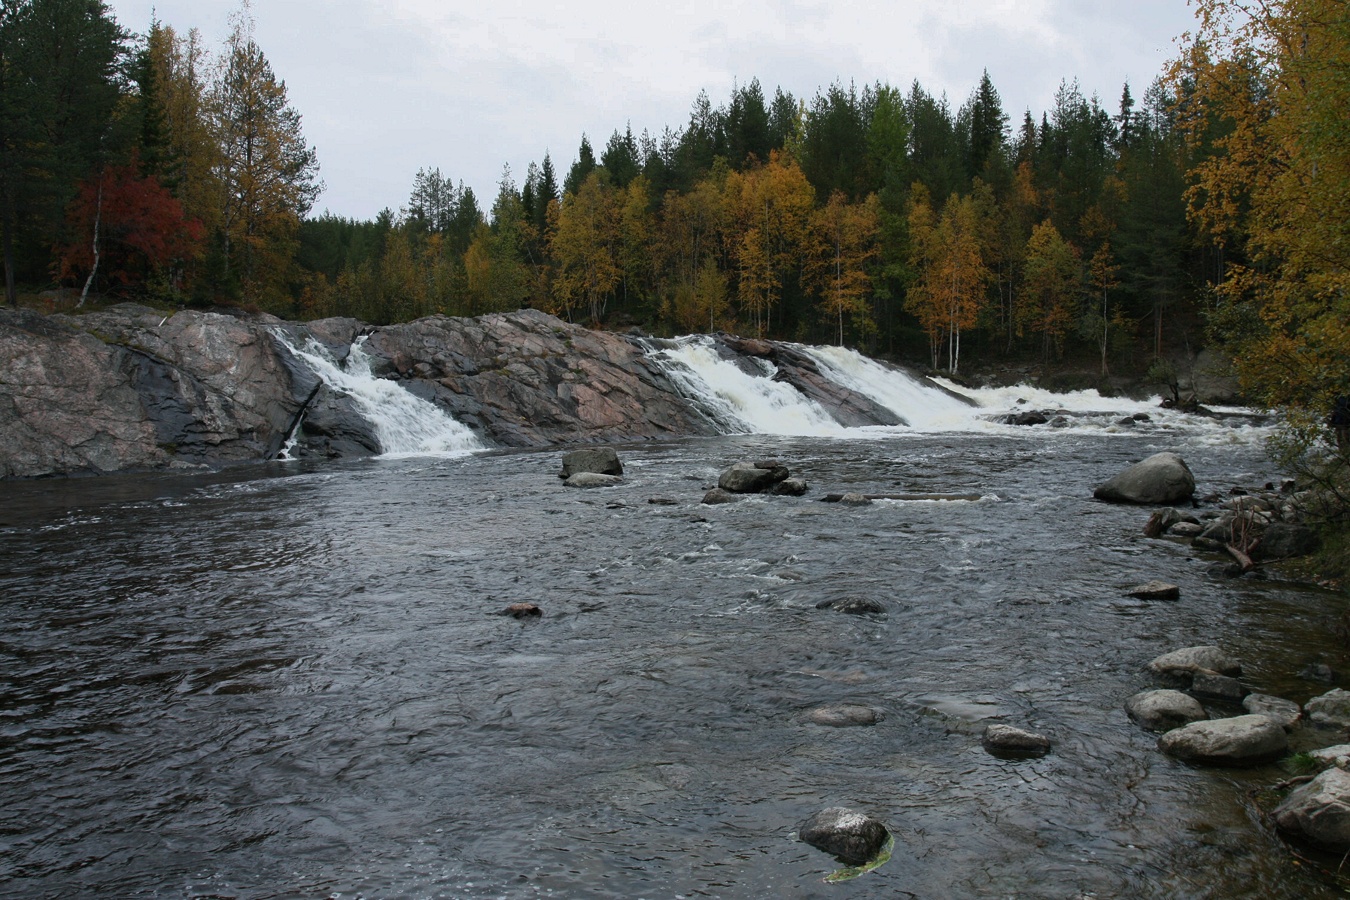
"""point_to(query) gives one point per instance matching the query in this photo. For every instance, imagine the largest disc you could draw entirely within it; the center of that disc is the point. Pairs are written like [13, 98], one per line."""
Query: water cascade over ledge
[405, 424]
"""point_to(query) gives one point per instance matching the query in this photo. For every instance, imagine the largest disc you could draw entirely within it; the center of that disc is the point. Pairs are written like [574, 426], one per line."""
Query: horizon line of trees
[877, 216]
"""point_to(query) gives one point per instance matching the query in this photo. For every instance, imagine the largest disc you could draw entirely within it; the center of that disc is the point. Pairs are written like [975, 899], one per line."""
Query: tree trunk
[98, 220]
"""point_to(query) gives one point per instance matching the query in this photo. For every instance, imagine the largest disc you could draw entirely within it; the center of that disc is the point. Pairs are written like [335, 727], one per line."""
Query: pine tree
[266, 172]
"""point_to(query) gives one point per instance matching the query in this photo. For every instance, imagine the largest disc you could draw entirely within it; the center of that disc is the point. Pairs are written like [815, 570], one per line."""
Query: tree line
[147, 166]
[883, 217]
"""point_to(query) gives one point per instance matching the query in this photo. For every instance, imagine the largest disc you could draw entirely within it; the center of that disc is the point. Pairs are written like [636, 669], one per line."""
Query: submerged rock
[1007, 741]
[1319, 811]
[1163, 710]
[592, 480]
[844, 715]
[1184, 663]
[855, 499]
[717, 495]
[1162, 478]
[858, 606]
[1239, 741]
[851, 837]
[521, 611]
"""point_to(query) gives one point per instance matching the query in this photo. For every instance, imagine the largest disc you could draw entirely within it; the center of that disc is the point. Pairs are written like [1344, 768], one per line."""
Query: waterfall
[405, 424]
[737, 401]
[925, 407]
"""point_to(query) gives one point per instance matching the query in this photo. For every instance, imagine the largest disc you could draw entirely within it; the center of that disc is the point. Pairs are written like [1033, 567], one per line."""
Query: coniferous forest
[1206, 208]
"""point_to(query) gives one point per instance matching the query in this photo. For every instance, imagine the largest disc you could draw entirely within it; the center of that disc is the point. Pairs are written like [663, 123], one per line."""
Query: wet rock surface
[851, 837]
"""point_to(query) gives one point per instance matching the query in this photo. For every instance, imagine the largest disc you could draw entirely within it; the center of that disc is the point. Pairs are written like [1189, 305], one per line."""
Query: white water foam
[738, 401]
[919, 404]
[405, 424]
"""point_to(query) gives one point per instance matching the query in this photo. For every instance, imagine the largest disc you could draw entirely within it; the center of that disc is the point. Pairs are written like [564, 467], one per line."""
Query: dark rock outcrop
[527, 379]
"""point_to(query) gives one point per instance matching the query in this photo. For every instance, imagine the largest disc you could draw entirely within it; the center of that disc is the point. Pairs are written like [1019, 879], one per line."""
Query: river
[287, 680]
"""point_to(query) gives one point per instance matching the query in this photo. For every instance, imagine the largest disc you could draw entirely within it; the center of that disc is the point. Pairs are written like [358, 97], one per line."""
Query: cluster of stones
[766, 476]
[1251, 527]
[1318, 811]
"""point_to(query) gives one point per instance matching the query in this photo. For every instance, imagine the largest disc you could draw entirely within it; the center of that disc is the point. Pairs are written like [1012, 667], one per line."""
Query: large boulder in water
[752, 477]
[1319, 811]
[1162, 478]
[598, 460]
[1239, 741]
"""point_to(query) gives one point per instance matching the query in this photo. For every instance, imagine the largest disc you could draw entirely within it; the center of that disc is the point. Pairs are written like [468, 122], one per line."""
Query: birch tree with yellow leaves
[1263, 93]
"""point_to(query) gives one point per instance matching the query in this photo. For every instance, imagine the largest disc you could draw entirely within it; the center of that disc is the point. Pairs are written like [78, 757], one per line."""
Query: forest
[1209, 210]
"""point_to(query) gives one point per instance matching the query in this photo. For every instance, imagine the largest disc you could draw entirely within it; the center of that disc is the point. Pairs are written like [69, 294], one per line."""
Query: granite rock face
[131, 388]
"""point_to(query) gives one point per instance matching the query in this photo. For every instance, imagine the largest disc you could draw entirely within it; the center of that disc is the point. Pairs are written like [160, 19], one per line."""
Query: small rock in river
[1218, 687]
[854, 499]
[851, 837]
[844, 715]
[789, 487]
[1007, 741]
[718, 495]
[1184, 663]
[1155, 590]
[600, 460]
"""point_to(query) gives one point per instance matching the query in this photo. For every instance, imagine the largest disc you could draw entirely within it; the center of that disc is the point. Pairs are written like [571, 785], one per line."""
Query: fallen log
[835, 498]
[1242, 559]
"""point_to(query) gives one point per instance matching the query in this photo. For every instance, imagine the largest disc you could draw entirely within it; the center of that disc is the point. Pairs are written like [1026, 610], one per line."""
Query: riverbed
[288, 680]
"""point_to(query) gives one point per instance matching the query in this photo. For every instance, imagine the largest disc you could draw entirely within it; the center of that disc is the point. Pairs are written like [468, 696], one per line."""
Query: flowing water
[288, 680]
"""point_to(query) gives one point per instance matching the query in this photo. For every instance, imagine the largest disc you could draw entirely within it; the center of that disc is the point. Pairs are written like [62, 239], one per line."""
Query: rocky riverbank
[132, 388]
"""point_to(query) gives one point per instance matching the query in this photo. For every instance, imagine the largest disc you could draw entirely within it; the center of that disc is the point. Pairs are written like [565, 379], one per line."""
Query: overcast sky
[386, 87]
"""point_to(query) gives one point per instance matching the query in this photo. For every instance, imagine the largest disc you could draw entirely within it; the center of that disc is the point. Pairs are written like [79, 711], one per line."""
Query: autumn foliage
[139, 228]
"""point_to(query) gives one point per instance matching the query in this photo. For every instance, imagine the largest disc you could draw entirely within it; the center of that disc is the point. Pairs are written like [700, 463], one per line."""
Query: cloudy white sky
[390, 86]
